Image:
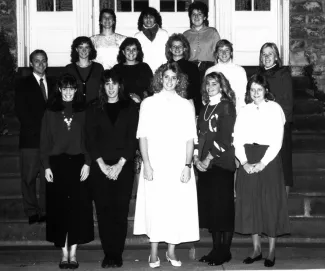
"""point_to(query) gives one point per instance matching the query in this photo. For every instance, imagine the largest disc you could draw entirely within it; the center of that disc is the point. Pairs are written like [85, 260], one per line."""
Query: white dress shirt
[38, 78]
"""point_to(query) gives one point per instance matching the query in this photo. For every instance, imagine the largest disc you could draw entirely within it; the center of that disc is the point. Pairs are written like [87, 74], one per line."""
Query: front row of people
[100, 141]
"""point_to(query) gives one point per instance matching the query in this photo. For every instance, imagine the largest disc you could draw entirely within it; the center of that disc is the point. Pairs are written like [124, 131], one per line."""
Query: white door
[173, 12]
[52, 28]
[254, 22]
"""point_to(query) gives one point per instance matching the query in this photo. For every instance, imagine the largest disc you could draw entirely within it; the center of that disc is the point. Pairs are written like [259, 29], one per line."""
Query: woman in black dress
[280, 82]
[214, 157]
[87, 72]
[66, 162]
[261, 203]
[111, 131]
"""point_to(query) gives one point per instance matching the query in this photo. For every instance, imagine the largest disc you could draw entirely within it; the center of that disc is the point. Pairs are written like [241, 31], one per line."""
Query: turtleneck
[269, 68]
[215, 99]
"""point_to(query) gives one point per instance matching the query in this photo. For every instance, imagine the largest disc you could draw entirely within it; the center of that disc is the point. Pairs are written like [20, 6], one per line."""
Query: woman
[107, 43]
[152, 37]
[201, 37]
[82, 67]
[280, 82]
[214, 157]
[166, 206]
[178, 50]
[111, 129]
[261, 203]
[135, 73]
[66, 162]
[236, 74]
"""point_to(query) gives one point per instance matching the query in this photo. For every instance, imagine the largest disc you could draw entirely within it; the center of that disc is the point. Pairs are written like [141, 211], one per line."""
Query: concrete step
[315, 122]
[301, 83]
[308, 106]
[308, 160]
[309, 180]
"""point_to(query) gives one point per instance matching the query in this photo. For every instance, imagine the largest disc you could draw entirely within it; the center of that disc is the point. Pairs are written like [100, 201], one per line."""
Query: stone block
[297, 32]
[315, 19]
[298, 59]
[298, 19]
[307, 6]
[298, 45]
[313, 31]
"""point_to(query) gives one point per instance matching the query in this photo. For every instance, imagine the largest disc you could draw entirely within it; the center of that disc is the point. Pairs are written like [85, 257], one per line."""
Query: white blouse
[237, 78]
[262, 124]
[107, 49]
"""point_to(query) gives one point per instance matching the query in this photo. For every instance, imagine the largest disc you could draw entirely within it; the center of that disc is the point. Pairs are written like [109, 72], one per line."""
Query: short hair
[156, 83]
[128, 42]
[275, 51]
[78, 41]
[149, 11]
[222, 43]
[226, 91]
[262, 81]
[55, 102]
[116, 78]
[183, 40]
[198, 5]
[36, 52]
[109, 11]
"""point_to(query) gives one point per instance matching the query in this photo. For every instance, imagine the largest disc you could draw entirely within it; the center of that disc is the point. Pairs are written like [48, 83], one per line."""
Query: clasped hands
[111, 172]
[253, 168]
[201, 165]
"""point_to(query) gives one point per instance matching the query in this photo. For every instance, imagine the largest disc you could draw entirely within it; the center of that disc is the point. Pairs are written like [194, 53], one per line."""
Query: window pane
[243, 5]
[45, 5]
[63, 5]
[107, 4]
[262, 5]
[123, 5]
[182, 5]
[167, 5]
[140, 5]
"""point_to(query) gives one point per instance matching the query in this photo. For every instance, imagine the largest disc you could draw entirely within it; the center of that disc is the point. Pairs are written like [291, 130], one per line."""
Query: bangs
[67, 81]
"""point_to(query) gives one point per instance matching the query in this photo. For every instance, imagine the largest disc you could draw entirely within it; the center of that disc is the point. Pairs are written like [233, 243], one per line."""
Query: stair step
[308, 160]
[308, 106]
[301, 83]
[9, 140]
[314, 122]
[309, 180]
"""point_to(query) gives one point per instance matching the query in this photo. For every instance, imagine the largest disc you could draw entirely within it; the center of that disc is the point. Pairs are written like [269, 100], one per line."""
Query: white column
[84, 23]
[285, 31]
[223, 18]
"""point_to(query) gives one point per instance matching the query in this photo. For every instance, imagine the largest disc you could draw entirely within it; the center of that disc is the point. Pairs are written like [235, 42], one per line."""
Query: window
[177, 5]
[259, 5]
[124, 5]
[54, 5]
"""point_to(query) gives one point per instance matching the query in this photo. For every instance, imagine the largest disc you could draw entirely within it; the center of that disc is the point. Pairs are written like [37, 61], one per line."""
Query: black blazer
[111, 142]
[30, 106]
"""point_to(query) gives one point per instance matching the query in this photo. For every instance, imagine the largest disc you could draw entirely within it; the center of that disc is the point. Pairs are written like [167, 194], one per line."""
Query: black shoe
[64, 265]
[250, 260]
[33, 219]
[118, 262]
[222, 256]
[208, 258]
[107, 262]
[269, 263]
[73, 265]
[41, 219]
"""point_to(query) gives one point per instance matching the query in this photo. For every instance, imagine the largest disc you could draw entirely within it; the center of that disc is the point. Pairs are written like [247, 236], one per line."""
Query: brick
[298, 44]
[297, 32]
[316, 19]
[298, 19]
[307, 6]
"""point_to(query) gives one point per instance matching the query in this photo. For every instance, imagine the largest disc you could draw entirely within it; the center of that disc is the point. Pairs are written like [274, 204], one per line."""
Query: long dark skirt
[215, 190]
[261, 202]
[286, 155]
[68, 206]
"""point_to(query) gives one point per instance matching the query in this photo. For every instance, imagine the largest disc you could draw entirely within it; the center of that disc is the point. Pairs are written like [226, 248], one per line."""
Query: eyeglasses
[180, 47]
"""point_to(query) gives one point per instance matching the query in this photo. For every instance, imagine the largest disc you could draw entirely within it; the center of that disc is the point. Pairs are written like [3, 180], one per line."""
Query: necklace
[67, 120]
[210, 113]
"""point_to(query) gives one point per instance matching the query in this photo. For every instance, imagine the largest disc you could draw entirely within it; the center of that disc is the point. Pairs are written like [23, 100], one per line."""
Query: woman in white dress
[152, 37]
[107, 43]
[235, 74]
[166, 207]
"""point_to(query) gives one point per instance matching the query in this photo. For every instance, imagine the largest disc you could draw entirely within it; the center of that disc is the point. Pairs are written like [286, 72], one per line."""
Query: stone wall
[307, 37]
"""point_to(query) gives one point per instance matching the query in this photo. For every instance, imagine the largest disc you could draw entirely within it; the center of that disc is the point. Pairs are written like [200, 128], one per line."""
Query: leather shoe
[269, 263]
[118, 262]
[33, 219]
[64, 265]
[107, 262]
[250, 260]
[73, 265]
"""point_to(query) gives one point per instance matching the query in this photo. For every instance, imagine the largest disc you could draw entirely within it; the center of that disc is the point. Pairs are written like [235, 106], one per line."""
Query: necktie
[41, 84]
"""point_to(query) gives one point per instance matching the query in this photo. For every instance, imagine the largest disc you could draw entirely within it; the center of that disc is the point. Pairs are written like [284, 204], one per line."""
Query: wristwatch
[188, 165]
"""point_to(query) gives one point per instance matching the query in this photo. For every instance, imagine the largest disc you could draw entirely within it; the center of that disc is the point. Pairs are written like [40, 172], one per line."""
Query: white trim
[285, 32]
[82, 11]
[20, 33]
[223, 25]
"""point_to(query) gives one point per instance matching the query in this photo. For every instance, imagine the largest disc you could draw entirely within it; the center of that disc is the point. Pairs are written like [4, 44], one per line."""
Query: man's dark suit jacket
[30, 106]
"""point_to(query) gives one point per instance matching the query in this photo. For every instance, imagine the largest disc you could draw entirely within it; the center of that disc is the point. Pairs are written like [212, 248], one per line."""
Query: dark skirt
[261, 201]
[69, 209]
[215, 190]
[286, 155]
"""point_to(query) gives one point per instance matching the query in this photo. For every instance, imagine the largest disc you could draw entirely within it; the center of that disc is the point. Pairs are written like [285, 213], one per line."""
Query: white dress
[166, 208]
[107, 48]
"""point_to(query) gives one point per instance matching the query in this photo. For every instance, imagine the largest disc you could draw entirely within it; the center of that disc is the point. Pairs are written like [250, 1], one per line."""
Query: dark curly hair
[109, 11]
[116, 78]
[222, 43]
[183, 40]
[275, 51]
[198, 5]
[149, 11]
[156, 83]
[78, 41]
[128, 42]
[226, 91]
[55, 102]
[260, 80]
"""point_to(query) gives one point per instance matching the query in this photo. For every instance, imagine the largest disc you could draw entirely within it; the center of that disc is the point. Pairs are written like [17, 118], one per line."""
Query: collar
[201, 30]
[270, 67]
[262, 104]
[215, 99]
[38, 78]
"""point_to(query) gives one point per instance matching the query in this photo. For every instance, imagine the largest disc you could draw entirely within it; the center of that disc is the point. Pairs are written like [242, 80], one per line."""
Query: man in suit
[30, 103]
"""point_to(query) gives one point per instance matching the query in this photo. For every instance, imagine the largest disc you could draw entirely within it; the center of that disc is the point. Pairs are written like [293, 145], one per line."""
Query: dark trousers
[30, 167]
[112, 200]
